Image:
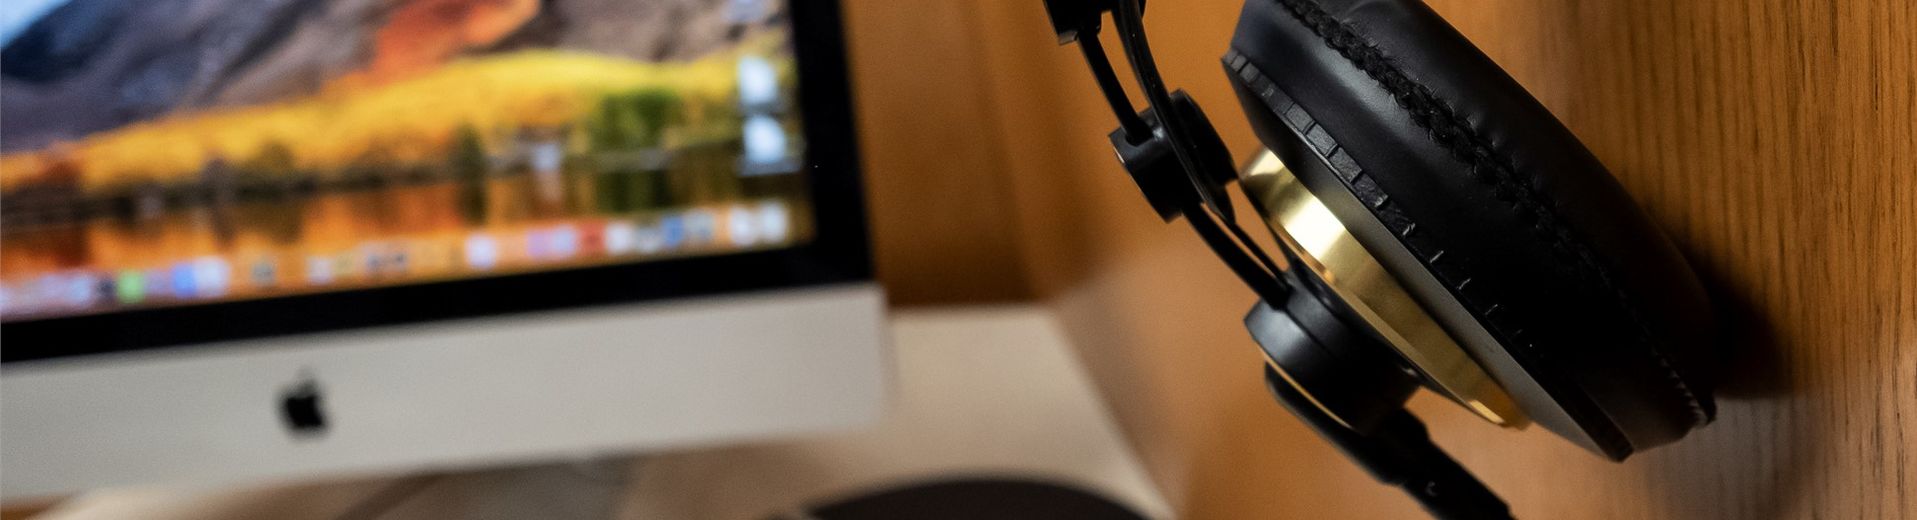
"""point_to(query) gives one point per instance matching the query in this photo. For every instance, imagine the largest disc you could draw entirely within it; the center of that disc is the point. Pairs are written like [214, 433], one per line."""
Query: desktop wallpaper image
[182, 151]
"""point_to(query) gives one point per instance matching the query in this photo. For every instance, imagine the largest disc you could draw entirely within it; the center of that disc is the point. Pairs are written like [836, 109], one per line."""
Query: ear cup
[1494, 215]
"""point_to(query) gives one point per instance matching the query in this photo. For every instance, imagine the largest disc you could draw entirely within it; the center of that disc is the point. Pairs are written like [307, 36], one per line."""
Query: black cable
[1399, 453]
[1130, 20]
[1265, 284]
[1231, 242]
[1131, 33]
[1136, 131]
[1259, 252]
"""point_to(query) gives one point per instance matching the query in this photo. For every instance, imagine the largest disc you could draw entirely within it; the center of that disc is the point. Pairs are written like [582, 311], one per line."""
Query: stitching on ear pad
[1503, 224]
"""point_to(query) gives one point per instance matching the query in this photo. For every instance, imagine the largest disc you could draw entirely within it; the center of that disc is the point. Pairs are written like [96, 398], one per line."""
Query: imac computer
[250, 240]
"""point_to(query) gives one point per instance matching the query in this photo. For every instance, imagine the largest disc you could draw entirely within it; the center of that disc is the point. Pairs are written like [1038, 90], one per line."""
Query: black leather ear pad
[1499, 220]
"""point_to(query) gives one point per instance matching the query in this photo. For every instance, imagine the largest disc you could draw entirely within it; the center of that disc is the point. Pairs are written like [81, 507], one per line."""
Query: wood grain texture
[942, 222]
[1773, 140]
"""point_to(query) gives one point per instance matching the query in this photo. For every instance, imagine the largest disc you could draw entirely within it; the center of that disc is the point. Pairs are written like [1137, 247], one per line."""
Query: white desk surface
[980, 391]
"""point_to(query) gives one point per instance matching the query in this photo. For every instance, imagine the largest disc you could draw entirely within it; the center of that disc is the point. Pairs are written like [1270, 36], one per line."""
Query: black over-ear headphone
[1439, 228]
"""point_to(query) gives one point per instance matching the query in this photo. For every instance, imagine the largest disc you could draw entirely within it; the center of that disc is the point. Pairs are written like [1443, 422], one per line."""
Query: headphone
[1439, 229]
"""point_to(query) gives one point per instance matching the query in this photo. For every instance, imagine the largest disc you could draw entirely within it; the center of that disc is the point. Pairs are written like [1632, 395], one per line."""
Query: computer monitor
[246, 240]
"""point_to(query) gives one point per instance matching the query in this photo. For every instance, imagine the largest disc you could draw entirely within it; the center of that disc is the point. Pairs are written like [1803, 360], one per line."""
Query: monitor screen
[181, 153]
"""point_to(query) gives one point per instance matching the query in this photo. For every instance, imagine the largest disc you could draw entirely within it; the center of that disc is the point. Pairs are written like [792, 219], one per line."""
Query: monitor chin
[450, 394]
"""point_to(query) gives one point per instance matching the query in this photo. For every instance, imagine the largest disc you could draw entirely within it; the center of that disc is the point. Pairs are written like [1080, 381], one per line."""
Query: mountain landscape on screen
[137, 132]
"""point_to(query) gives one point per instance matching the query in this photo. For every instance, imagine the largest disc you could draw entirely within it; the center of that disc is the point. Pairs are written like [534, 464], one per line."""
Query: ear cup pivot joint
[1343, 371]
[1154, 165]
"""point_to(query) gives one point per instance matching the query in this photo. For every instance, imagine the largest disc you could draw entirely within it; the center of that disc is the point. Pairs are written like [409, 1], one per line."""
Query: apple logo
[301, 408]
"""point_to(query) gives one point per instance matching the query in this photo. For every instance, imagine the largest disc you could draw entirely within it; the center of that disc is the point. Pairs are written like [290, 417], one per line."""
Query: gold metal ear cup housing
[1303, 224]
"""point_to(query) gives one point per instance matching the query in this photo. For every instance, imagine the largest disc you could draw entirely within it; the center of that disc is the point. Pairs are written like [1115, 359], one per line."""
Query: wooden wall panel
[942, 218]
[1773, 139]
